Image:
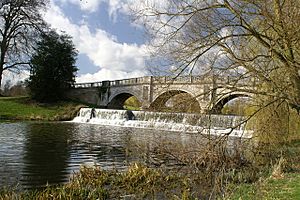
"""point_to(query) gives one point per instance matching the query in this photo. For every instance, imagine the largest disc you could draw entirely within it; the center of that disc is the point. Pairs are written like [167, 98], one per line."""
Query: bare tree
[20, 24]
[253, 39]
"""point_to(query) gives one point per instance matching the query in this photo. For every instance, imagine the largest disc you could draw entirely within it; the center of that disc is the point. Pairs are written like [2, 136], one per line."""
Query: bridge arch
[221, 102]
[118, 99]
[186, 101]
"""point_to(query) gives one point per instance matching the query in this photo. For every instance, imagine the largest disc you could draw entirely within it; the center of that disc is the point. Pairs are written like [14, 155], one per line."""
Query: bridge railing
[88, 85]
[180, 79]
[131, 81]
[164, 80]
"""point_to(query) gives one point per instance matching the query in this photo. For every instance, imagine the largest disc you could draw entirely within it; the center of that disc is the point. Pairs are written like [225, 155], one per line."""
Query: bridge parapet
[122, 82]
[87, 85]
[206, 89]
[180, 79]
[131, 81]
[203, 79]
[166, 80]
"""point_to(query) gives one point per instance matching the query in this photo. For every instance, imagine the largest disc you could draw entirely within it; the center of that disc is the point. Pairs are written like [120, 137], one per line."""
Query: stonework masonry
[211, 94]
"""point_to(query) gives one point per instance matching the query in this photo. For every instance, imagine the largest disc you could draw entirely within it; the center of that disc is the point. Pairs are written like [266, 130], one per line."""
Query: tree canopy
[20, 25]
[53, 67]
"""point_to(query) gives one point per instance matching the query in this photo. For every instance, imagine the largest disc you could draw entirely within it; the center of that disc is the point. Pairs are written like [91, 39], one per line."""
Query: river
[34, 154]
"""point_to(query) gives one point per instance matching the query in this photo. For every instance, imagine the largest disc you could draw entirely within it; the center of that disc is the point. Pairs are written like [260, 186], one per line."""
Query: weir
[181, 122]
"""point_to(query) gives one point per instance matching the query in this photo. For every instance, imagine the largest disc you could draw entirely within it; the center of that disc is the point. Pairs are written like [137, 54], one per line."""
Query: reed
[138, 182]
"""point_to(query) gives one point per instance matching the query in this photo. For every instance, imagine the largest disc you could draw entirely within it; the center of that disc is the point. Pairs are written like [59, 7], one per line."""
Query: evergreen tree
[52, 67]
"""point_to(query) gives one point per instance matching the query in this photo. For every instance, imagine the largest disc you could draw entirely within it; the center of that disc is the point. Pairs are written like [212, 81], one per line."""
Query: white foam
[181, 122]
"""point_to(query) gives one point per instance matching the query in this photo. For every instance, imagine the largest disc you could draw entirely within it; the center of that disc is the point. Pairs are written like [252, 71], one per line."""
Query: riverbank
[280, 181]
[141, 182]
[23, 108]
[200, 173]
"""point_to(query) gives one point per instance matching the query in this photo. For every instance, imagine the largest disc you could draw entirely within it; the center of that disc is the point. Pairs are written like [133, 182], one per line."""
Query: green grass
[131, 107]
[284, 186]
[23, 108]
[132, 103]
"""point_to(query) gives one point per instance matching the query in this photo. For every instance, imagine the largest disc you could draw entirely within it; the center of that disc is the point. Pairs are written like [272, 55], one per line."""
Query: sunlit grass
[283, 185]
[285, 188]
[22, 108]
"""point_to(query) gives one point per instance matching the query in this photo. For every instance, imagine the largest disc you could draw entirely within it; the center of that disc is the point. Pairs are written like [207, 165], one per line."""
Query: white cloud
[13, 77]
[119, 60]
[114, 6]
[105, 74]
[85, 5]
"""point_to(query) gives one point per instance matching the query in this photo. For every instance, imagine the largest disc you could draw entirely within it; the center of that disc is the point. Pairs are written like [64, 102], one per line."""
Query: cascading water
[185, 122]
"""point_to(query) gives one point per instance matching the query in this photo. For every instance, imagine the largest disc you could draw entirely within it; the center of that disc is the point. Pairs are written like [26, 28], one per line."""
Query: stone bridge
[205, 94]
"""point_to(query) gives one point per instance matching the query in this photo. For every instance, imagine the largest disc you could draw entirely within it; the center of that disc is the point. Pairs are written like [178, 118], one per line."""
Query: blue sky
[110, 46]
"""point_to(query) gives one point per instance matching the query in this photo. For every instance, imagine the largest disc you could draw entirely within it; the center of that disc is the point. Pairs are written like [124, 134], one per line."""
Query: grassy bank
[281, 182]
[286, 187]
[141, 182]
[138, 182]
[23, 108]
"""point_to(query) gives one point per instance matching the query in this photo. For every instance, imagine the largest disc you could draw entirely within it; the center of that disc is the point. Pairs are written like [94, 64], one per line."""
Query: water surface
[33, 154]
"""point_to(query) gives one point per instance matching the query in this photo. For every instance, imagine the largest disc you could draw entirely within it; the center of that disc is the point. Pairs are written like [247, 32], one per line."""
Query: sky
[110, 45]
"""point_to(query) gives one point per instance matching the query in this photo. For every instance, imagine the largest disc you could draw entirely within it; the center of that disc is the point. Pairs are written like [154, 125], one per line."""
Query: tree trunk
[2, 56]
[1, 71]
[296, 92]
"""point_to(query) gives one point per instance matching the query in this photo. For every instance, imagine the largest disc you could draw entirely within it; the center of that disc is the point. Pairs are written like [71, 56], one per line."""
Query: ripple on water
[34, 154]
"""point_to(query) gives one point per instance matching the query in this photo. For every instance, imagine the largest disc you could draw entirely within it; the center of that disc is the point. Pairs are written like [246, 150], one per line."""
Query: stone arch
[218, 106]
[117, 100]
[159, 102]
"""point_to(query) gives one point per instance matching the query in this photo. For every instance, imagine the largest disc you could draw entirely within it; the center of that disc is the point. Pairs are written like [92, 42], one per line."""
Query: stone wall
[148, 89]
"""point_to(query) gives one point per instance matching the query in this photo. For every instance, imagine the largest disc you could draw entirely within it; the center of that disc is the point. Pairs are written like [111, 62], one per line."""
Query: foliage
[19, 89]
[182, 102]
[52, 67]
[239, 106]
[22, 108]
[132, 103]
[275, 125]
[20, 25]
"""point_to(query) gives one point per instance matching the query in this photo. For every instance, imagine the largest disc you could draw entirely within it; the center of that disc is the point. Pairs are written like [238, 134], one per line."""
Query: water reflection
[46, 153]
[34, 153]
[11, 152]
[104, 146]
